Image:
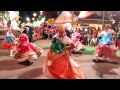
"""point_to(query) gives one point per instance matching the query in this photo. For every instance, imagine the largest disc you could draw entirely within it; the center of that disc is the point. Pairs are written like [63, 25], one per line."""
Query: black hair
[9, 23]
[25, 31]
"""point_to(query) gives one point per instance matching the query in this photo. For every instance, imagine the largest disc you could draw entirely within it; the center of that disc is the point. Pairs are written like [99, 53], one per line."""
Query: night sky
[48, 14]
[54, 14]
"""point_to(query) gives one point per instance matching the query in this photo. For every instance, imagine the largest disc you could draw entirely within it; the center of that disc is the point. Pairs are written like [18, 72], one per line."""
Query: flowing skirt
[7, 45]
[60, 66]
[30, 55]
[79, 46]
[106, 50]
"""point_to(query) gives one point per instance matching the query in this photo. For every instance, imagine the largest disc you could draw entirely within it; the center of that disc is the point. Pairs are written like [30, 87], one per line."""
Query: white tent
[65, 17]
[85, 14]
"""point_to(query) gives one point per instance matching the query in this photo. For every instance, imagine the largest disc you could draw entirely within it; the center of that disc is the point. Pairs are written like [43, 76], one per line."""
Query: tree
[2, 14]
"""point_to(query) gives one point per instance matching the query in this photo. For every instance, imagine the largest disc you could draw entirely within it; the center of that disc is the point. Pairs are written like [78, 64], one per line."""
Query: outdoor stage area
[10, 69]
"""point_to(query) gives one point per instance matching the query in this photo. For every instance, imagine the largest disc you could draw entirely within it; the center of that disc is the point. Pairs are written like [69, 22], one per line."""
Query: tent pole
[72, 12]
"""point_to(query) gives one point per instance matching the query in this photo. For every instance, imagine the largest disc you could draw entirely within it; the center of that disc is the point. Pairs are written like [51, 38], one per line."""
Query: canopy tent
[85, 14]
[65, 17]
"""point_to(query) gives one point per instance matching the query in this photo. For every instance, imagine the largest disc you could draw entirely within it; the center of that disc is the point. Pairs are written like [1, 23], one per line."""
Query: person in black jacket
[68, 33]
[25, 31]
[30, 32]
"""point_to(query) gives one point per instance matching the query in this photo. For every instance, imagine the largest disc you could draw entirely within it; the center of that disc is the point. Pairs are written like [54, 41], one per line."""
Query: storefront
[85, 23]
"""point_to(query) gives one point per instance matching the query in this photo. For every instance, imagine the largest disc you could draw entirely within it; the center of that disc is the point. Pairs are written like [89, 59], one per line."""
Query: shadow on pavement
[105, 61]
[105, 68]
[4, 54]
[10, 65]
[31, 74]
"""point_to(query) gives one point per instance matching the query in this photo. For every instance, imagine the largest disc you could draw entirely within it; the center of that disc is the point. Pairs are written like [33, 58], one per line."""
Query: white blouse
[8, 34]
[65, 40]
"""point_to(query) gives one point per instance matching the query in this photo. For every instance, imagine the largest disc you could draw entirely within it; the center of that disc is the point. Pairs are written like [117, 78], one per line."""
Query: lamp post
[41, 12]
[28, 19]
[34, 14]
[72, 12]
[33, 19]
[103, 19]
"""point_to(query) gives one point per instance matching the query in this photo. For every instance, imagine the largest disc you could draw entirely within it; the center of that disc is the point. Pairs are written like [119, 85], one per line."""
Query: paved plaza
[10, 69]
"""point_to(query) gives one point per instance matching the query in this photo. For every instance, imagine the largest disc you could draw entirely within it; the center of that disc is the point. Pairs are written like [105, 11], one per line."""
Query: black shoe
[26, 63]
[78, 53]
[73, 52]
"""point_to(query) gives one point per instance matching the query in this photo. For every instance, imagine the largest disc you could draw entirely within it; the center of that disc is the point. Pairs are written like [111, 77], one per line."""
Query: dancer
[30, 33]
[118, 39]
[79, 47]
[26, 51]
[105, 45]
[58, 63]
[9, 42]
[38, 33]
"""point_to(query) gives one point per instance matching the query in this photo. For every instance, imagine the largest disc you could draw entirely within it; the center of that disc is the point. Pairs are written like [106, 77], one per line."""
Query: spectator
[68, 33]
[25, 31]
[93, 41]
[30, 34]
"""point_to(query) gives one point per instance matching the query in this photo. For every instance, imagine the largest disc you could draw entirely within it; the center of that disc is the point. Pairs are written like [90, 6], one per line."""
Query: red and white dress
[76, 41]
[26, 50]
[8, 43]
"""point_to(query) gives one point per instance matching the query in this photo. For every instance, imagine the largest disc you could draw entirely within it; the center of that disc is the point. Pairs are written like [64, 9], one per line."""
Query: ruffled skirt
[30, 55]
[60, 66]
[7, 45]
[79, 46]
[106, 50]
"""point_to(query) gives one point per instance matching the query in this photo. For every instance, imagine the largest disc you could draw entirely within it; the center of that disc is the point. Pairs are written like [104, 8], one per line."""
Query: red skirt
[60, 66]
[29, 55]
[106, 50]
[7, 45]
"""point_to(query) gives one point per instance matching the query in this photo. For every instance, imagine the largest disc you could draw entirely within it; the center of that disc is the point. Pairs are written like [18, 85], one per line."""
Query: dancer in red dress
[106, 47]
[27, 51]
[58, 63]
[9, 42]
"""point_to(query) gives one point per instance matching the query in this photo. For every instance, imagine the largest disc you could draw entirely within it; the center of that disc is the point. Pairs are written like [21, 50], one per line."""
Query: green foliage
[2, 14]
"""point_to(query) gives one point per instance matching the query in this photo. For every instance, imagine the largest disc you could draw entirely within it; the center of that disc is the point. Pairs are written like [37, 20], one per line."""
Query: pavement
[10, 69]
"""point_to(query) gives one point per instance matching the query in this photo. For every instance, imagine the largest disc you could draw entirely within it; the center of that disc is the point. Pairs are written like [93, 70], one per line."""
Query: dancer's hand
[68, 47]
[71, 46]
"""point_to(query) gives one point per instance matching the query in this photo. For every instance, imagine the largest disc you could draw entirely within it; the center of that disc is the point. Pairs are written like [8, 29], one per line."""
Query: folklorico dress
[105, 47]
[79, 47]
[58, 63]
[27, 50]
[8, 43]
